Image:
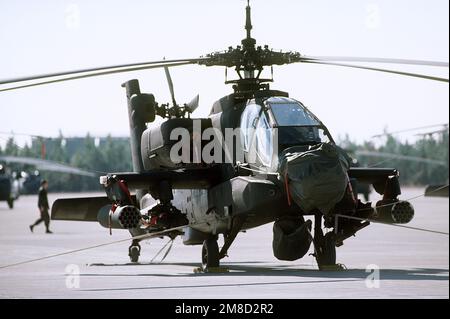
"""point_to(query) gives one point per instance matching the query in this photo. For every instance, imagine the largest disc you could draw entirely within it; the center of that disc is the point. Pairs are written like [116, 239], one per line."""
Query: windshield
[296, 124]
[291, 113]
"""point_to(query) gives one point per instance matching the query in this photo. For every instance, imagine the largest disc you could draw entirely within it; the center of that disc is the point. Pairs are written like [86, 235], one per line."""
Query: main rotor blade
[411, 130]
[21, 134]
[375, 60]
[194, 103]
[401, 157]
[433, 132]
[46, 165]
[416, 75]
[83, 76]
[104, 68]
[170, 83]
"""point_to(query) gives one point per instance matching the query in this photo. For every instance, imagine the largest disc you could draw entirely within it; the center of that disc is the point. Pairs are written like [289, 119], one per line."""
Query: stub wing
[87, 208]
[78, 209]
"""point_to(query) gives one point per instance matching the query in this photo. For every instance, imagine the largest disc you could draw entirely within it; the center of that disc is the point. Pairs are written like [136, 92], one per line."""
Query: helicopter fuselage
[246, 185]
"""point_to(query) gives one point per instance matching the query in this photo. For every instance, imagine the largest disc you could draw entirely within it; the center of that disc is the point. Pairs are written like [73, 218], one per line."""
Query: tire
[210, 254]
[327, 256]
[134, 253]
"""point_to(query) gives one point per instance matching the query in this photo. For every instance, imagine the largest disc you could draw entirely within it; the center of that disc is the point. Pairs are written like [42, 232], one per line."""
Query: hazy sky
[48, 36]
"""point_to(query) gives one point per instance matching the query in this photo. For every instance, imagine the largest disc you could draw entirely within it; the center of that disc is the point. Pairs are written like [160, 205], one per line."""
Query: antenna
[248, 43]
[248, 20]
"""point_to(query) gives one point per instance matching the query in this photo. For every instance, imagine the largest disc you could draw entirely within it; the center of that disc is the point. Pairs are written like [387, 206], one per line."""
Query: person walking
[43, 208]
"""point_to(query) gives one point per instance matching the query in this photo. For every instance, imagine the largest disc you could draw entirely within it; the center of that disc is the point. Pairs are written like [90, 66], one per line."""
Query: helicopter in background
[14, 183]
[9, 186]
[361, 157]
[282, 167]
[435, 188]
[24, 172]
[30, 182]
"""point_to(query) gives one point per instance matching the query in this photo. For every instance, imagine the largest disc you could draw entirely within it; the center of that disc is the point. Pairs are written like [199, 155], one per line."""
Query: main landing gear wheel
[134, 252]
[326, 254]
[210, 254]
[324, 247]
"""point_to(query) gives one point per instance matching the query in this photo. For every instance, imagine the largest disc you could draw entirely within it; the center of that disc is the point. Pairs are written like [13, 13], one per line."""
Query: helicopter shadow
[163, 264]
[257, 269]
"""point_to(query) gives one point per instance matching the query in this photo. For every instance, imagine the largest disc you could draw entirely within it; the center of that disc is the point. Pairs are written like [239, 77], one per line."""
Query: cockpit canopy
[272, 125]
[288, 112]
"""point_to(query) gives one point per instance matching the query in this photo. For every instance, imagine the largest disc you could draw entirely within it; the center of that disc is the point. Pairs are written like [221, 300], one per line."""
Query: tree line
[97, 155]
[112, 154]
[414, 170]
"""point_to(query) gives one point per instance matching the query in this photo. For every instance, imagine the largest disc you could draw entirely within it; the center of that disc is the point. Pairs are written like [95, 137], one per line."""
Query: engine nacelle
[124, 217]
[156, 143]
[399, 212]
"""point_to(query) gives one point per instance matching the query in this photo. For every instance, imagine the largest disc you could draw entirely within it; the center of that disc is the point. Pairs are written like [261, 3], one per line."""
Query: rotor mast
[248, 43]
[249, 60]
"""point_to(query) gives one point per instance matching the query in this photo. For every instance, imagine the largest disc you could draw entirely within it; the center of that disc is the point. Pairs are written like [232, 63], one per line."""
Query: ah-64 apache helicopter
[283, 166]
[15, 182]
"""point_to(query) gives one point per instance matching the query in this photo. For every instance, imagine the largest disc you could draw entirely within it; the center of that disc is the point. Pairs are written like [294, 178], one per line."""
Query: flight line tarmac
[382, 262]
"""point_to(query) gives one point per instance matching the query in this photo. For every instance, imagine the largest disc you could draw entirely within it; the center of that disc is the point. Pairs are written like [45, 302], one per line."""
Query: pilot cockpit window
[264, 140]
[296, 125]
[291, 114]
[249, 120]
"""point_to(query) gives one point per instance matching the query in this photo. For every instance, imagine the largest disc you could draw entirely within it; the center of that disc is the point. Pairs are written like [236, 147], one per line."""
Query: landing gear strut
[134, 251]
[324, 246]
[10, 203]
[326, 252]
[210, 254]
